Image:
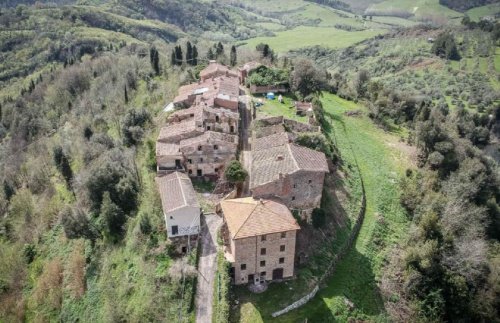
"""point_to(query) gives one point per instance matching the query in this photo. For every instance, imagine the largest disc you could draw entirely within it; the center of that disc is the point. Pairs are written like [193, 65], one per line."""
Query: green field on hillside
[419, 8]
[304, 36]
[477, 13]
[382, 159]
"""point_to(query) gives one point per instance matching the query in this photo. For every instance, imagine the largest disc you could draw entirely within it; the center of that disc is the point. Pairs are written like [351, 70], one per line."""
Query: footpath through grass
[381, 162]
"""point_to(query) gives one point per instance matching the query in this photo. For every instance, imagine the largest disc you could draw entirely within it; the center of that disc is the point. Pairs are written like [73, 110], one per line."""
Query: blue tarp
[270, 96]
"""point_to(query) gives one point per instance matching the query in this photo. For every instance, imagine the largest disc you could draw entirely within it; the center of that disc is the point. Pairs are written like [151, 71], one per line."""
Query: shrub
[318, 218]
[235, 173]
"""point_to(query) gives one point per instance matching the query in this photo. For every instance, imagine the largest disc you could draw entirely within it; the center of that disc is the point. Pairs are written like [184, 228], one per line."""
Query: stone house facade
[259, 239]
[293, 174]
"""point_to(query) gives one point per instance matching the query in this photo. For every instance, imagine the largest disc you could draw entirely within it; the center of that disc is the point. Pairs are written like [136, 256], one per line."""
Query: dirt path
[207, 266]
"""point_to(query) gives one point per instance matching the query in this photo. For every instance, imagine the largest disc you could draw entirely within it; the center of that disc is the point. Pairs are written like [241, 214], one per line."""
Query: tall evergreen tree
[63, 165]
[126, 94]
[189, 53]
[154, 58]
[233, 58]
[219, 50]
[178, 55]
[210, 54]
[195, 55]
[172, 58]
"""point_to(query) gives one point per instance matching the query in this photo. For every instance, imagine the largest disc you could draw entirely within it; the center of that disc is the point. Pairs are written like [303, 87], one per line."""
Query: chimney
[279, 157]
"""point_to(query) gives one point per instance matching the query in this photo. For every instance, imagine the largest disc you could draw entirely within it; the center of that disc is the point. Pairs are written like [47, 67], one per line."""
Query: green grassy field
[418, 7]
[382, 159]
[476, 14]
[304, 36]
[274, 108]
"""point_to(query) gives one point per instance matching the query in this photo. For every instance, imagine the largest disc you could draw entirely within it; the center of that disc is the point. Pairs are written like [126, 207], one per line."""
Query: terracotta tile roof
[173, 130]
[269, 164]
[208, 90]
[176, 191]
[167, 149]
[216, 69]
[246, 217]
[195, 111]
[277, 139]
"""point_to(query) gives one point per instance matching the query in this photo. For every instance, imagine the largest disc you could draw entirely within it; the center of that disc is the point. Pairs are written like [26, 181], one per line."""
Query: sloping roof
[176, 191]
[277, 139]
[211, 137]
[216, 69]
[175, 129]
[167, 149]
[246, 217]
[195, 111]
[268, 164]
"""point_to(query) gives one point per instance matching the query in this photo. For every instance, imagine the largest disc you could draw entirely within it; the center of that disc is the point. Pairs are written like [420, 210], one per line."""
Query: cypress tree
[154, 58]
[233, 58]
[172, 58]
[195, 55]
[219, 51]
[178, 55]
[63, 165]
[210, 54]
[126, 94]
[189, 53]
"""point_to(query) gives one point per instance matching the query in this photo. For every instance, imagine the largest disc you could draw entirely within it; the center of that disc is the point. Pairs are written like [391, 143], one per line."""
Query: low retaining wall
[298, 303]
[338, 257]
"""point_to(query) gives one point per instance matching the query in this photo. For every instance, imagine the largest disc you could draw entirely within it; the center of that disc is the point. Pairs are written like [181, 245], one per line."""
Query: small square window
[201, 160]
[243, 266]
[263, 251]
[262, 263]
[190, 171]
[310, 181]
[199, 147]
[216, 147]
[190, 161]
[216, 170]
[294, 185]
[263, 238]
[283, 235]
[171, 217]
[208, 128]
[282, 260]
[282, 248]
[293, 198]
[263, 274]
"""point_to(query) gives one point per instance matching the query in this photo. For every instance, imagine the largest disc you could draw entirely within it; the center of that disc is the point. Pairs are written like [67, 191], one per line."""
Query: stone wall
[333, 265]
[297, 126]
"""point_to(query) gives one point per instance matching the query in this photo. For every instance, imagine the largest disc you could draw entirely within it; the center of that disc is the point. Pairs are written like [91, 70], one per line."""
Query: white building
[180, 204]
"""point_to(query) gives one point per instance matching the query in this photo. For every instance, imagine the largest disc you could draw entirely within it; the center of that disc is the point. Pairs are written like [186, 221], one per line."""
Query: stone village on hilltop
[201, 136]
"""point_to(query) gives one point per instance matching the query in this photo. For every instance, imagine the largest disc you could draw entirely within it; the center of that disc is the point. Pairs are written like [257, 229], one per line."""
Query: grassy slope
[381, 163]
[304, 36]
[418, 7]
[489, 10]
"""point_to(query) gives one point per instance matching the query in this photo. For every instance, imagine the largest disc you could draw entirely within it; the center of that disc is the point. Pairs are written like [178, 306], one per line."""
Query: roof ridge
[246, 220]
[182, 187]
[293, 156]
[295, 221]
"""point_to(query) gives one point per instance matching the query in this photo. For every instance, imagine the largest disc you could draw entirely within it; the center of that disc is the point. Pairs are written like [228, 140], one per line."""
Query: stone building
[259, 239]
[245, 70]
[215, 69]
[206, 155]
[291, 173]
[180, 205]
[201, 135]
